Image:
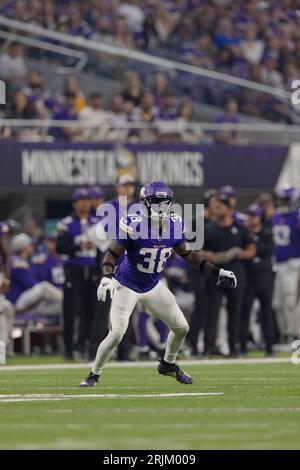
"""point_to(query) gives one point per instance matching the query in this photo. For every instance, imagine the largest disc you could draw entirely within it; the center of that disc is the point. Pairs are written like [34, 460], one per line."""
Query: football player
[147, 239]
[286, 230]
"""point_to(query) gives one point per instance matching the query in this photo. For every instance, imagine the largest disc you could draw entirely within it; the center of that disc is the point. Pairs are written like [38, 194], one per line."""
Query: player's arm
[248, 252]
[197, 261]
[108, 283]
[110, 258]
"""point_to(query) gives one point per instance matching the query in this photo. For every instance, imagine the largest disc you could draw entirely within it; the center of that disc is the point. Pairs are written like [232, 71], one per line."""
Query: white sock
[105, 350]
[174, 342]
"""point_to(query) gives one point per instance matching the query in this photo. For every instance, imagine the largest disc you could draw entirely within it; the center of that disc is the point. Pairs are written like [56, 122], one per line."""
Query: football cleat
[173, 370]
[90, 381]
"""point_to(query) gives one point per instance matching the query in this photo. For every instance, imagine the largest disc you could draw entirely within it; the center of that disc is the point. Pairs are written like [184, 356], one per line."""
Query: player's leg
[122, 305]
[290, 296]
[162, 304]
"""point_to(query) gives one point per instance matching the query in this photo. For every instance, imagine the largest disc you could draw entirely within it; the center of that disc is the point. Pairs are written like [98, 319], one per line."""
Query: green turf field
[259, 409]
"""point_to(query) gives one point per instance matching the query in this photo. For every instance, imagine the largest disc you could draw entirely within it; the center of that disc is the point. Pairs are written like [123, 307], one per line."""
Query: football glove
[226, 279]
[107, 284]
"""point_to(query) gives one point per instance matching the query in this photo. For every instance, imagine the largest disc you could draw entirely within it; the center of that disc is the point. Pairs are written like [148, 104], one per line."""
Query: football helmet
[156, 200]
[287, 197]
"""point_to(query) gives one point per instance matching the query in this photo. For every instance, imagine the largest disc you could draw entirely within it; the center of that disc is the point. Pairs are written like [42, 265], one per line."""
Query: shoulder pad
[19, 263]
[128, 222]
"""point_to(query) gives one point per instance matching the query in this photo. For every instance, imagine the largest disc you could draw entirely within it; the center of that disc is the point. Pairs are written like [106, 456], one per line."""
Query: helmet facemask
[156, 208]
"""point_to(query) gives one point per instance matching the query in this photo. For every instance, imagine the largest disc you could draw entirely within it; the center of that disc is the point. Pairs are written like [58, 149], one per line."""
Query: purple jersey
[21, 278]
[4, 229]
[286, 235]
[73, 231]
[49, 268]
[146, 256]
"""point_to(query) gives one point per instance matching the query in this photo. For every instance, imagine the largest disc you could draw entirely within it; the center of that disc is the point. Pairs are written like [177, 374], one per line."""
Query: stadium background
[195, 92]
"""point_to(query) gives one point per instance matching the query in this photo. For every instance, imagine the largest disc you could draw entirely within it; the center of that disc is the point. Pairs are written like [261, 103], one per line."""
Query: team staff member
[198, 282]
[259, 279]
[80, 273]
[227, 243]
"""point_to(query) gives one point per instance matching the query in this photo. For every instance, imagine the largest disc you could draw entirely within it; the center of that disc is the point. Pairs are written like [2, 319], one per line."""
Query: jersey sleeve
[125, 231]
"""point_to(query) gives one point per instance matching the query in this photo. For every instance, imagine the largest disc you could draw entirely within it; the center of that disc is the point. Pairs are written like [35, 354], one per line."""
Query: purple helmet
[156, 200]
[288, 192]
[228, 191]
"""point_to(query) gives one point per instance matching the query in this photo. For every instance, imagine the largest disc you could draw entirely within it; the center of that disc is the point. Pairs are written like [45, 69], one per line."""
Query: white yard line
[141, 364]
[54, 397]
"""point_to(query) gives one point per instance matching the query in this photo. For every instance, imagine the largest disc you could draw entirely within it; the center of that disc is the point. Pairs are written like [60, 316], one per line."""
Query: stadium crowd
[57, 275]
[254, 39]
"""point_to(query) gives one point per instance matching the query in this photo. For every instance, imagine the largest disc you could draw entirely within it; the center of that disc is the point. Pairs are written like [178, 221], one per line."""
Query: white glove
[227, 277]
[106, 284]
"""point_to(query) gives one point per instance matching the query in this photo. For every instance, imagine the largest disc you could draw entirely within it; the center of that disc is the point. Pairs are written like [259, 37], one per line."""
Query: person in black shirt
[259, 279]
[228, 244]
[199, 281]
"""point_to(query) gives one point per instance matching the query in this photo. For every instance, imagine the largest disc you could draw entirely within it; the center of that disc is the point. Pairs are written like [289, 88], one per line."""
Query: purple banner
[61, 164]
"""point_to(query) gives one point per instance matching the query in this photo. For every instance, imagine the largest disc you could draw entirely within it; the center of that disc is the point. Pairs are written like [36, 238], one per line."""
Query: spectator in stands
[225, 34]
[18, 109]
[95, 112]
[167, 110]
[252, 47]
[160, 87]
[230, 117]
[133, 13]
[132, 90]
[164, 21]
[76, 25]
[146, 111]
[71, 85]
[270, 74]
[12, 64]
[122, 36]
[147, 38]
[40, 101]
[199, 52]
[25, 291]
[67, 113]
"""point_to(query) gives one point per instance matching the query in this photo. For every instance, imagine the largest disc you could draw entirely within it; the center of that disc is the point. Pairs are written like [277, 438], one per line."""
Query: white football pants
[286, 297]
[160, 302]
[43, 298]
[7, 315]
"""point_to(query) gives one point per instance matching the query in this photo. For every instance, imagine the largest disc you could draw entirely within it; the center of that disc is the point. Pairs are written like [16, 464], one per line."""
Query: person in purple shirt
[67, 113]
[80, 273]
[97, 198]
[26, 292]
[49, 266]
[228, 117]
[147, 239]
[286, 230]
